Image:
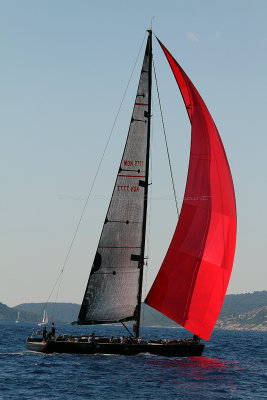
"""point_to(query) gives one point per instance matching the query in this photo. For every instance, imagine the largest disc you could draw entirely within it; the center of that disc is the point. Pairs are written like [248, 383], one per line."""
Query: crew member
[44, 334]
[196, 339]
[53, 330]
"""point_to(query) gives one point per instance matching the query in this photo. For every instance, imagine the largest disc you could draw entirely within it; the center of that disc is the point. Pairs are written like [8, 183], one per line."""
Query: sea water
[233, 366]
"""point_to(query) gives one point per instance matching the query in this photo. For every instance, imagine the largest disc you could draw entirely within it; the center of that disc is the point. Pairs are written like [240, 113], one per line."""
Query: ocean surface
[233, 366]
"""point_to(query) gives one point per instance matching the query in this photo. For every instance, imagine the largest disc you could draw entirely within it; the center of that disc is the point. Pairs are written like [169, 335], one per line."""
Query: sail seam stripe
[119, 247]
[132, 176]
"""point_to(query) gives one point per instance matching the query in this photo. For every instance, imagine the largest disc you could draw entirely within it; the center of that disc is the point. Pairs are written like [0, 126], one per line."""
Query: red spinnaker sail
[192, 281]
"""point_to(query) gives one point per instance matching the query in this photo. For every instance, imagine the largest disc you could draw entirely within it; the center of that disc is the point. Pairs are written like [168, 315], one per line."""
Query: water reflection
[196, 367]
[194, 374]
[200, 363]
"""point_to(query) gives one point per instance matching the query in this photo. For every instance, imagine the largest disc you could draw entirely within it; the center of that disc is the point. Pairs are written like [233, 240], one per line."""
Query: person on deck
[196, 339]
[53, 330]
[44, 334]
[91, 338]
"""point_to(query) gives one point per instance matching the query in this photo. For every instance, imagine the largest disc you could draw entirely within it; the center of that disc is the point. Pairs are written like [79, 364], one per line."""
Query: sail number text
[131, 163]
[127, 188]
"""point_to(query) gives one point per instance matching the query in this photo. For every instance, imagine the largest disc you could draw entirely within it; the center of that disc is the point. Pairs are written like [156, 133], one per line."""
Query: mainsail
[192, 281]
[112, 292]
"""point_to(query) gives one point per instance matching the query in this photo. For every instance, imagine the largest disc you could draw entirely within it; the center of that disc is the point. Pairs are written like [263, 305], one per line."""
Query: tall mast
[142, 261]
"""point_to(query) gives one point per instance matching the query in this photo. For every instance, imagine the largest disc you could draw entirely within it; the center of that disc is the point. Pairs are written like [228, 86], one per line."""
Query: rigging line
[59, 279]
[165, 138]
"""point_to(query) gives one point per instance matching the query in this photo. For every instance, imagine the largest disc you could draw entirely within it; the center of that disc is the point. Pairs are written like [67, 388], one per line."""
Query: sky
[64, 68]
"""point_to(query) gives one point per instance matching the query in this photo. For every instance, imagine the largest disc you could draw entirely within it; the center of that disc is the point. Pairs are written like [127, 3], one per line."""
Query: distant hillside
[68, 312]
[11, 314]
[251, 320]
[58, 312]
[239, 311]
[243, 303]
[151, 317]
[244, 311]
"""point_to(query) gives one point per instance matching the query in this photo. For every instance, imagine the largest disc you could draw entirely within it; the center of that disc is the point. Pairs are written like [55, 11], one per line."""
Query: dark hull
[183, 348]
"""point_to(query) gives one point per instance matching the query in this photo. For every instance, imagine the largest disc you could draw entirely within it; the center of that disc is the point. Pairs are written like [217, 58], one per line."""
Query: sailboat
[191, 284]
[44, 320]
[17, 320]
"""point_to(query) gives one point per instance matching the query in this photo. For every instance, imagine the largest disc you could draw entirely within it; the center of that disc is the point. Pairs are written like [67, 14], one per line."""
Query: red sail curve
[192, 281]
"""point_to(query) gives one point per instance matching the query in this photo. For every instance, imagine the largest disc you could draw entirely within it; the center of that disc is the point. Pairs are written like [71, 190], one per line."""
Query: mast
[142, 258]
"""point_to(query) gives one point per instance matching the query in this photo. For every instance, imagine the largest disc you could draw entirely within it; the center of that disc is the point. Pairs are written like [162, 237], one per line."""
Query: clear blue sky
[64, 67]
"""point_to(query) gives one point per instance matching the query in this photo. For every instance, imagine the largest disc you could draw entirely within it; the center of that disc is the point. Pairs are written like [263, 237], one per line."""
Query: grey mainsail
[112, 293]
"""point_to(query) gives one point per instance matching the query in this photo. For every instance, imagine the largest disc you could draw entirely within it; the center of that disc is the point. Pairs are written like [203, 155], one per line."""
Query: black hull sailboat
[80, 345]
[191, 284]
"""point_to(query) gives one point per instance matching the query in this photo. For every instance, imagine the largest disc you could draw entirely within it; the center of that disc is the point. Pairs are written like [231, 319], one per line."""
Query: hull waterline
[183, 348]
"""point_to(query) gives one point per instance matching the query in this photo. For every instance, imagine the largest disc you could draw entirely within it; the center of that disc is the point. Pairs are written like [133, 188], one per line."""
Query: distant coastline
[246, 311]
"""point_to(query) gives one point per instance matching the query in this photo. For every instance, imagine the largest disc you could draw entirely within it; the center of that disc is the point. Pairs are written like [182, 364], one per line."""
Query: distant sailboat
[44, 320]
[17, 320]
[191, 284]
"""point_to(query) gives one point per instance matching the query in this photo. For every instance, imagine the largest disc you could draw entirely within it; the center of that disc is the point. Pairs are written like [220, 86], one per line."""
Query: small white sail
[17, 318]
[44, 320]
